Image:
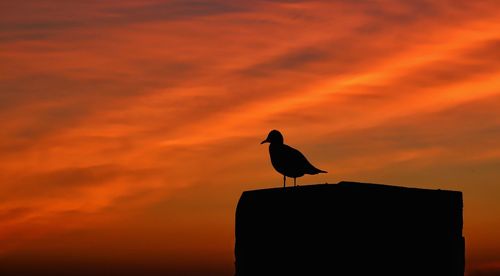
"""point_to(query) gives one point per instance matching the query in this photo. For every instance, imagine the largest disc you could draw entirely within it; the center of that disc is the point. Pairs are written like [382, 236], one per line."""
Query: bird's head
[274, 137]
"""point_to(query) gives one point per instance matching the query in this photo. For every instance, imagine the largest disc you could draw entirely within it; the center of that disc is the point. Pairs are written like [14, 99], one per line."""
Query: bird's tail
[316, 171]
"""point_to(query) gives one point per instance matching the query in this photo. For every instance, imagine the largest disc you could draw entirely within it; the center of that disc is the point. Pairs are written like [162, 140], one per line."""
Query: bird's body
[287, 160]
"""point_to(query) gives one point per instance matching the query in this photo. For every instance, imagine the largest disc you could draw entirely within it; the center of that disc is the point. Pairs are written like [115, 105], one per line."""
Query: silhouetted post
[349, 229]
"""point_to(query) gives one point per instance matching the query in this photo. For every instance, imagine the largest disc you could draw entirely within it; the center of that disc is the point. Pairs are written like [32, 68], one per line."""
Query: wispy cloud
[144, 117]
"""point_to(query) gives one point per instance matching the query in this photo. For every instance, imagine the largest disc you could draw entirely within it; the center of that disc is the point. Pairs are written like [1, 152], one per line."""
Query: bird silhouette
[287, 160]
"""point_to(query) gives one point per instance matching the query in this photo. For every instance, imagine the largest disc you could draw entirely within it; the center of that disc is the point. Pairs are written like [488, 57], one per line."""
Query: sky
[130, 128]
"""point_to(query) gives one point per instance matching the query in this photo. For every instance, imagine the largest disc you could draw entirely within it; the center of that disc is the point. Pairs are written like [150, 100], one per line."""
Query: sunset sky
[130, 128]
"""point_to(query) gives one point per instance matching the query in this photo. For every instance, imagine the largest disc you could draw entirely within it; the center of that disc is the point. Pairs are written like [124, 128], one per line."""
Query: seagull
[287, 160]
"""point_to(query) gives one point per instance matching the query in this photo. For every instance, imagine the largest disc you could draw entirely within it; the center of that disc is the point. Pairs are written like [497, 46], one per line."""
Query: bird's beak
[265, 141]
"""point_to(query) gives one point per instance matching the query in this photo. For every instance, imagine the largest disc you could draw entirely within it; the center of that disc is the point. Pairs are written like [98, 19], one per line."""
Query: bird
[287, 160]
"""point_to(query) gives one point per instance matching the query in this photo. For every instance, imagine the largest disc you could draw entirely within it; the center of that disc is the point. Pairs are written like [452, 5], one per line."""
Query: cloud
[475, 62]
[44, 20]
[15, 213]
[57, 183]
[133, 124]
[176, 10]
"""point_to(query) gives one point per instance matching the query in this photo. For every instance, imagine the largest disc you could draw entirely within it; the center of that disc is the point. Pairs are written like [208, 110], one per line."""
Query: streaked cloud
[143, 117]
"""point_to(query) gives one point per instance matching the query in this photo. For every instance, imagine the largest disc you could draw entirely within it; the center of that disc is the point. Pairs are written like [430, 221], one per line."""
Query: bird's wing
[299, 161]
[293, 154]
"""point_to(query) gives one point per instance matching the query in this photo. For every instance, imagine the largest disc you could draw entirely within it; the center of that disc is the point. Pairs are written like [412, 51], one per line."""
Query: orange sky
[130, 128]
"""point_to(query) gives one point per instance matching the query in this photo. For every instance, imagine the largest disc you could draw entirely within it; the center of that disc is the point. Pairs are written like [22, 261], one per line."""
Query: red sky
[130, 128]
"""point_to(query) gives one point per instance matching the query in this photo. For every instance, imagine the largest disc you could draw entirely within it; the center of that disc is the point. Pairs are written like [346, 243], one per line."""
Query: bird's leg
[294, 181]
[284, 181]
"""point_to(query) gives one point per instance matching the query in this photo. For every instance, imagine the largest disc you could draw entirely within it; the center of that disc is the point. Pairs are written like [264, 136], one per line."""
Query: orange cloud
[129, 126]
